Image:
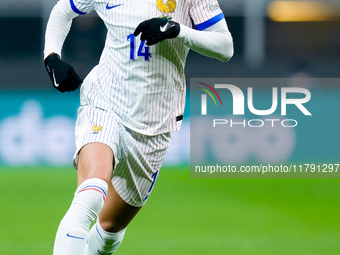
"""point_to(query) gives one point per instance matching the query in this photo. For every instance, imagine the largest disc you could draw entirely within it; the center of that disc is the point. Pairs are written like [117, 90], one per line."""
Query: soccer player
[130, 103]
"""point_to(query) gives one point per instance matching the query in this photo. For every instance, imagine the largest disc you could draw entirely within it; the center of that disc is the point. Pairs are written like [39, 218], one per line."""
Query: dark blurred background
[269, 41]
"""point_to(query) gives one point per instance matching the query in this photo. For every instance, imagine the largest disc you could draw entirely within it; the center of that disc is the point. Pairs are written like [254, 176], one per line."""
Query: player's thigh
[97, 143]
[116, 214]
[96, 160]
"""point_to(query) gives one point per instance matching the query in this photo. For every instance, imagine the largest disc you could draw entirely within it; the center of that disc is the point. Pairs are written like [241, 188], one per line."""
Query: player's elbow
[226, 49]
[224, 54]
[227, 53]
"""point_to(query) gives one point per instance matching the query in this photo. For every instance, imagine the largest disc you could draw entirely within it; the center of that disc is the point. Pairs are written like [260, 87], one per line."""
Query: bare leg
[96, 160]
[116, 214]
[94, 172]
[107, 234]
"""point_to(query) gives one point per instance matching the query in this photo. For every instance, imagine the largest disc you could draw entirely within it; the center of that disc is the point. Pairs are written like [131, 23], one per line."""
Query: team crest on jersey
[96, 129]
[167, 8]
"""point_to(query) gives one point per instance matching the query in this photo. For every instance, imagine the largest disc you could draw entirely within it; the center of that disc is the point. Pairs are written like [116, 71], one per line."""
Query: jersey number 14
[143, 51]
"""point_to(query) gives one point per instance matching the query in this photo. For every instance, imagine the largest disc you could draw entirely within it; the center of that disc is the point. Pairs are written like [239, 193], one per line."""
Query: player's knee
[98, 173]
[111, 226]
[96, 160]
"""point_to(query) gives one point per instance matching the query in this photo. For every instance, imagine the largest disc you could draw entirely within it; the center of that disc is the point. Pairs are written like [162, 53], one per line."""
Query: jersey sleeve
[81, 7]
[205, 13]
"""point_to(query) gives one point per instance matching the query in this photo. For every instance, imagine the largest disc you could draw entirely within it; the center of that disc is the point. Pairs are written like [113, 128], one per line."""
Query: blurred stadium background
[273, 39]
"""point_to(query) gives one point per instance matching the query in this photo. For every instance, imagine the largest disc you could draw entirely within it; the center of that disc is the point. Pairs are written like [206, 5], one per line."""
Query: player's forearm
[57, 29]
[216, 42]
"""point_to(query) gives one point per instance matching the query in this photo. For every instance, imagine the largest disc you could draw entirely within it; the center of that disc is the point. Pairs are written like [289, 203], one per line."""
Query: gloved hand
[156, 30]
[63, 76]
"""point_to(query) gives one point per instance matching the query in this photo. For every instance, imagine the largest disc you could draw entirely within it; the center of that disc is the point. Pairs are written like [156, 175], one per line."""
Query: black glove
[63, 76]
[156, 30]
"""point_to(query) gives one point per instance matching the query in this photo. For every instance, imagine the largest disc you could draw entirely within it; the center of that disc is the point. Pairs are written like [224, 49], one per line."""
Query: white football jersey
[144, 86]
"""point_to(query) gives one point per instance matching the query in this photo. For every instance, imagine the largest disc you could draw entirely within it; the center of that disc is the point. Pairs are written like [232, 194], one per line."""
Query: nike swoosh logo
[76, 237]
[102, 253]
[54, 80]
[166, 27]
[111, 7]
